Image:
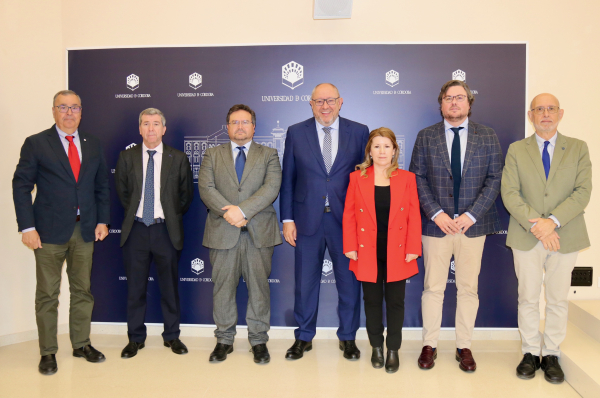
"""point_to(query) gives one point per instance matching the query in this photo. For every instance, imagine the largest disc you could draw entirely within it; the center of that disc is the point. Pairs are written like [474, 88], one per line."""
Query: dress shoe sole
[176, 352]
[288, 355]
[428, 367]
[229, 351]
[391, 371]
[262, 361]
[49, 372]
[135, 353]
[525, 377]
[92, 361]
[460, 365]
[553, 381]
[377, 365]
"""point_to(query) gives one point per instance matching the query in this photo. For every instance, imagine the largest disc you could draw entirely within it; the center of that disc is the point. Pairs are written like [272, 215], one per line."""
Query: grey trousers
[49, 261]
[255, 266]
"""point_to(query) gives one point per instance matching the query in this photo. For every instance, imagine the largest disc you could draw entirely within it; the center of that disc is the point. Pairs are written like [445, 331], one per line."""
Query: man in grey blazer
[238, 183]
[155, 185]
[458, 165]
[546, 185]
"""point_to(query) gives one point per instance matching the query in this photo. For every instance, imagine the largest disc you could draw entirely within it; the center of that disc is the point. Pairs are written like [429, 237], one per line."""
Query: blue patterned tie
[148, 216]
[327, 158]
[240, 162]
[455, 165]
[546, 158]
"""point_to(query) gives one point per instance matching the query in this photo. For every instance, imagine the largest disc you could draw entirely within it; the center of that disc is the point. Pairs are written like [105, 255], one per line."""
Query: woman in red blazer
[382, 238]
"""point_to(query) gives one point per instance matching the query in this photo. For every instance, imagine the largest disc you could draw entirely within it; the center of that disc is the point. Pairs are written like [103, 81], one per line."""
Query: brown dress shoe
[465, 360]
[426, 359]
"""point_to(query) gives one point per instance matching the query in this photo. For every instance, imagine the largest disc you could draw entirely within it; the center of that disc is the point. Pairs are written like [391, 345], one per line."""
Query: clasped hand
[451, 226]
[233, 215]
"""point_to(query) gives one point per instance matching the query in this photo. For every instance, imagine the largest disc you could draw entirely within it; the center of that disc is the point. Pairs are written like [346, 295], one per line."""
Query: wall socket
[582, 276]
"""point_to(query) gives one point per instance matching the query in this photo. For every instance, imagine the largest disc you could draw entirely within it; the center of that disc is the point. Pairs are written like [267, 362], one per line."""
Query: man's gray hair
[312, 94]
[153, 111]
[65, 92]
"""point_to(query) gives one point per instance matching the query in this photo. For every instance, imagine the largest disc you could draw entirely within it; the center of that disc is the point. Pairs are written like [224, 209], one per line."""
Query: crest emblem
[130, 145]
[327, 267]
[459, 75]
[392, 78]
[292, 75]
[133, 82]
[195, 80]
[197, 266]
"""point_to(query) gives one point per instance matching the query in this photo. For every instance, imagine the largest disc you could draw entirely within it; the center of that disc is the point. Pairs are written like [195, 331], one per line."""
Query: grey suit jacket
[176, 189]
[527, 194]
[480, 184]
[255, 194]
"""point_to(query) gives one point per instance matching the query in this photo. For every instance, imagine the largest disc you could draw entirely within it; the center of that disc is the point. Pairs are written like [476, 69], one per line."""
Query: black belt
[244, 229]
[327, 209]
[155, 221]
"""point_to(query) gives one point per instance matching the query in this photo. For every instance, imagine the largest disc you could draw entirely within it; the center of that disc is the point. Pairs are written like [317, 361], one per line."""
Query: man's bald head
[545, 114]
[543, 97]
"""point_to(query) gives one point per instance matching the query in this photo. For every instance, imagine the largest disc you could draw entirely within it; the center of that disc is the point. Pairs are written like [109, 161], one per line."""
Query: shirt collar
[334, 126]
[158, 149]
[464, 125]
[63, 134]
[246, 145]
[540, 140]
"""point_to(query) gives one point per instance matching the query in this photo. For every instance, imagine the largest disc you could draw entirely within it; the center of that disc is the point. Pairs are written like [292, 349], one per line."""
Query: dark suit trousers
[394, 306]
[49, 261]
[144, 245]
[309, 254]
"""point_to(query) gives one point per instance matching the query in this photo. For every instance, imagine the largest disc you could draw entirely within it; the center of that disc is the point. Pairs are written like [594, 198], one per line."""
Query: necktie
[456, 167]
[148, 215]
[327, 155]
[74, 157]
[545, 158]
[240, 162]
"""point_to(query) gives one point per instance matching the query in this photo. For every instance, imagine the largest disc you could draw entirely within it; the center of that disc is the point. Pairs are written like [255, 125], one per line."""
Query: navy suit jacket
[480, 183]
[305, 182]
[45, 164]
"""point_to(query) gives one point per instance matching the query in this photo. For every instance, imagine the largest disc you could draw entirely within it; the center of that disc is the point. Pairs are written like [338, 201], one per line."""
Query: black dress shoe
[177, 346]
[296, 351]
[529, 364]
[377, 357]
[261, 353]
[48, 365]
[220, 352]
[392, 362]
[89, 353]
[552, 371]
[131, 349]
[350, 349]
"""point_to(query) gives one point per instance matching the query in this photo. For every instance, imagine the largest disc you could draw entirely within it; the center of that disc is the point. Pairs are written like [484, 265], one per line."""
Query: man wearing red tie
[70, 212]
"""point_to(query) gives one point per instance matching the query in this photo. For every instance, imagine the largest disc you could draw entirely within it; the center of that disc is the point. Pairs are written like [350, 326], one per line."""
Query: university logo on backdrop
[133, 82]
[392, 78]
[461, 75]
[292, 75]
[197, 266]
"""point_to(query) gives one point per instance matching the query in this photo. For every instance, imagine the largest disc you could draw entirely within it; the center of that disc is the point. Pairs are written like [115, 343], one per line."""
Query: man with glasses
[320, 154]
[238, 183]
[458, 165]
[155, 185]
[70, 212]
[546, 185]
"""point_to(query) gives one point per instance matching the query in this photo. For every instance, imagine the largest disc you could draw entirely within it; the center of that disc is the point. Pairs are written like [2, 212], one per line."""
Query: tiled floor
[323, 372]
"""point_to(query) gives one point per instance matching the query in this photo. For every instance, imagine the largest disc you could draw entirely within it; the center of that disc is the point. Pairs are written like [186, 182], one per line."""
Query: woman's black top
[382, 211]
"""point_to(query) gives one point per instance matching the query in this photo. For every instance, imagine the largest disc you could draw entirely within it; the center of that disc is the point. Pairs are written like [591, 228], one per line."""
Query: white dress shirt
[157, 158]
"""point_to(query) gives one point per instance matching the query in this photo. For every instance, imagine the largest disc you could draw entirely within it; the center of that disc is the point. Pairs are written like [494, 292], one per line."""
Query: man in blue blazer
[320, 153]
[458, 165]
[70, 212]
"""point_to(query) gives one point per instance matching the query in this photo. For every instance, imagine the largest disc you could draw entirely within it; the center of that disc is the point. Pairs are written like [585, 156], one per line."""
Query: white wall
[563, 59]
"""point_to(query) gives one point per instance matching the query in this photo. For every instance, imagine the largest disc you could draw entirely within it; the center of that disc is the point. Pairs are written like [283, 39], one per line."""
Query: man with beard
[458, 165]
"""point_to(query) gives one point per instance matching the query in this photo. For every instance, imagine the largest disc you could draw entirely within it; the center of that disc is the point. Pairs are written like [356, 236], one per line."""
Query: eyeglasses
[242, 122]
[539, 110]
[450, 98]
[320, 102]
[65, 109]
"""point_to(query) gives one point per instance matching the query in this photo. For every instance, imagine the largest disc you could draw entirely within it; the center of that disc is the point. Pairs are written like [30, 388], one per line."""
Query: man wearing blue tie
[320, 153]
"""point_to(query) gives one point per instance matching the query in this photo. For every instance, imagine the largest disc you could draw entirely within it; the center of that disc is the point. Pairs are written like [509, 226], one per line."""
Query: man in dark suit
[320, 154]
[458, 164]
[155, 186]
[238, 183]
[70, 212]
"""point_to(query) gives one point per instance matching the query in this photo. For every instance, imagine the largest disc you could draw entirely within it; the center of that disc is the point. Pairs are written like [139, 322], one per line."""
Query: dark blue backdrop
[382, 85]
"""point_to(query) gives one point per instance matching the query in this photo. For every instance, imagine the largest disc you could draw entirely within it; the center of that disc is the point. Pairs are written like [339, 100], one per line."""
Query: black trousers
[144, 245]
[373, 294]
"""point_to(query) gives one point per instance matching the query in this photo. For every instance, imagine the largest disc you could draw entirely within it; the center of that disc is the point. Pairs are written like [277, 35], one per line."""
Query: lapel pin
[86, 140]
[563, 148]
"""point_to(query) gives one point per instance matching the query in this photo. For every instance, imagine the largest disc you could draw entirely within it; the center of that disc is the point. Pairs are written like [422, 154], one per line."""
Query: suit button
[361, 210]
[400, 227]
[74, 207]
[450, 195]
[328, 180]
[239, 189]
[362, 229]
[362, 245]
[323, 197]
[399, 245]
[544, 194]
[543, 215]
[402, 209]
[450, 177]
